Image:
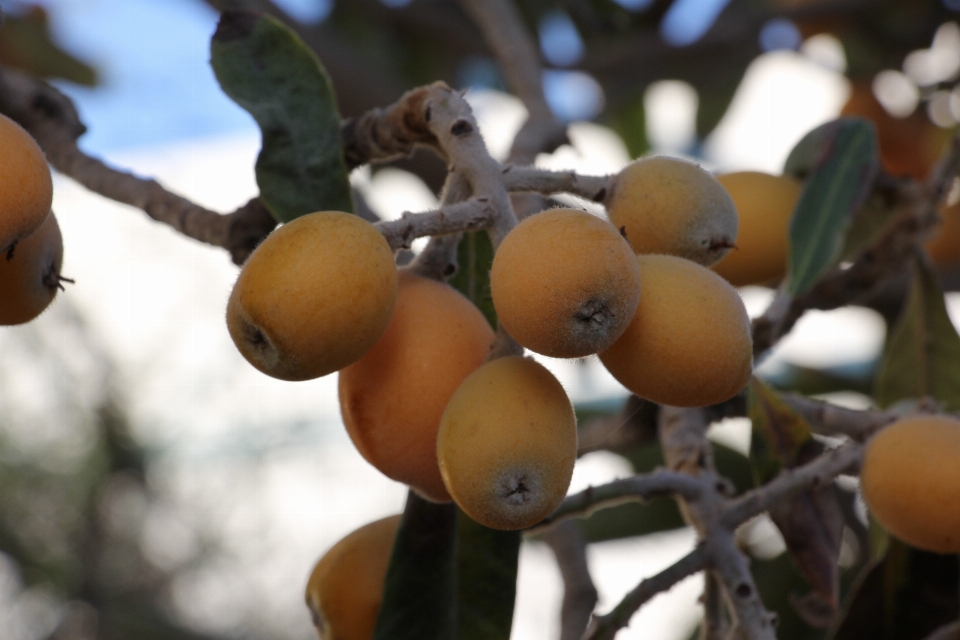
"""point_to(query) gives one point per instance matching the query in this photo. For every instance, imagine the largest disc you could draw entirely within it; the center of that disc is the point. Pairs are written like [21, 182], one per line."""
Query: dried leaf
[811, 523]
[922, 354]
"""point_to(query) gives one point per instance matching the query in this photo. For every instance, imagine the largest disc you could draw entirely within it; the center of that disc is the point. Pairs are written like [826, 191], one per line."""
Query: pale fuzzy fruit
[508, 443]
[689, 344]
[392, 398]
[314, 296]
[346, 586]
[30, 278]
[26, 189]
[668, 205]
[765, 206]
[910, 480]
[565, 283]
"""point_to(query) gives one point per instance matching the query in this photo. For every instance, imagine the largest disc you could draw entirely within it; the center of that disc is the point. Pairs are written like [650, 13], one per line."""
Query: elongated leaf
[922, 354]
[419, 594]
[905, 595]
[872, 221]
[266, 69]
[806, 154]
[486, 580]
[841, 180]
[472, 279]
[812, 522]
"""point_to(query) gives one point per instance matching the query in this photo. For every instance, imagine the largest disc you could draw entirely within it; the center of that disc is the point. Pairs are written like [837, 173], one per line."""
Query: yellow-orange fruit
[392, 398]
[764, 206]
[910, 480]
[689, 344]
[26, 189]
[30, 277]
[508, 443]
[314, 296]
[908, 146]
[346, 586]
[668, 205]
[565, 283]
[944, 246]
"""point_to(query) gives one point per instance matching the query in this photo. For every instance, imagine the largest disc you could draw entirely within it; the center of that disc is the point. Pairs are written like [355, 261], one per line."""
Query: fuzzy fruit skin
[314, 296]
[346, 586]
[689, 344]
[672, 206]
[27, 193]
[910, 480]
[392, 398]
[565, 283]
[509, 426]
[30, 279]
[765, 206]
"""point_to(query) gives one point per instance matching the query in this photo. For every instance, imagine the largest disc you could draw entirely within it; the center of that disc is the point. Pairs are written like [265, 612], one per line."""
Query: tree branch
[635, 488]
[569, 545]
[519, 60]
[605, 627]
[52, 120]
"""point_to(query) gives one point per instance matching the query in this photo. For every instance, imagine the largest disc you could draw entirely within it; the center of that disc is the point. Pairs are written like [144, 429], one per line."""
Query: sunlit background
[246, 480]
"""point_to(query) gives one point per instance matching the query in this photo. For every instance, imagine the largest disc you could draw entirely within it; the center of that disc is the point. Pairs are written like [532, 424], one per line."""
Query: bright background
[264, 466]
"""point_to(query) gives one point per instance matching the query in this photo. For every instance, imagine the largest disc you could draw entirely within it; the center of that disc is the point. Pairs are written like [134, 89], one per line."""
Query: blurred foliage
[26, 43]
[74, 493]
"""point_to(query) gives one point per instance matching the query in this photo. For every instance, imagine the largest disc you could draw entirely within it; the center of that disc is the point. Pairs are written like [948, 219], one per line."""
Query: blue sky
[153, 57]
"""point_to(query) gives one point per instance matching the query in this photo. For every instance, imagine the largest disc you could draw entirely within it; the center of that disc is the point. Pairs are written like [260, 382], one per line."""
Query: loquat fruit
[689, 344]
[765, 206]
[27, 193]
[910, 480]
[668, 205]
[392, 398]
[346, 586]
[314, 296]
[508, 443]
[30, 275]
[564, 283]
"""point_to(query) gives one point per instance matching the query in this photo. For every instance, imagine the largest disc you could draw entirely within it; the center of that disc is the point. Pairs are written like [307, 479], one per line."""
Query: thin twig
[605, 627]
[818, 472]
[529, 179]
[636, 488]
[569, 545]
[517, 55]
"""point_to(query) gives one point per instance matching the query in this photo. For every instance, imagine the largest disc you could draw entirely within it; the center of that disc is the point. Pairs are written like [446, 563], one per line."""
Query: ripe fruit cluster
[322, 294]
[31, 247]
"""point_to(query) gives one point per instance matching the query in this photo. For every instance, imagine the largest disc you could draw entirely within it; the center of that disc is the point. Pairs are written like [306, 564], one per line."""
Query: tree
[856, 237]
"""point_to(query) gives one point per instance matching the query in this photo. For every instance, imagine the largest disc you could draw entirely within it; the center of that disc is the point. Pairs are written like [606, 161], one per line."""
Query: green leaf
[840, 181]
[420, 590]
[871, 222]
[905, 595]
[472, 279]
[486, 580]
[922, 354]
[266, 69]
